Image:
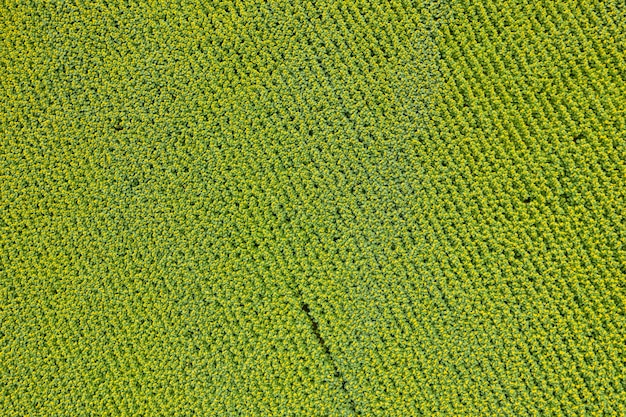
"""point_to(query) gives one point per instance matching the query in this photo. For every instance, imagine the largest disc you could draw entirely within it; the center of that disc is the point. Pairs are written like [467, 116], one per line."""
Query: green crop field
[312, 208]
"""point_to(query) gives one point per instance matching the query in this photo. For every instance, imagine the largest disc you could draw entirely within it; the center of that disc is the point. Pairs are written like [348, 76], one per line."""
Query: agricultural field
[313, 208]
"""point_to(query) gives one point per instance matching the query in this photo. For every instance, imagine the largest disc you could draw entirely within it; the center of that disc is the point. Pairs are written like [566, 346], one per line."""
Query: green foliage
[312, 208]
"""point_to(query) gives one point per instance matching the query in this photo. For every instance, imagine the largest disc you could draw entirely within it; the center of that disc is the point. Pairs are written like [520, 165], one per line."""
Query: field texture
[313, 208]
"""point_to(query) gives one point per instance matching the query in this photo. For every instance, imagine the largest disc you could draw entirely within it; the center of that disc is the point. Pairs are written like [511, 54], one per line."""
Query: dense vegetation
[313, 208]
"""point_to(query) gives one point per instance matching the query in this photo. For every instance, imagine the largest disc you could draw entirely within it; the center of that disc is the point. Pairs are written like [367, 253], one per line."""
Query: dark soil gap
[337, 374]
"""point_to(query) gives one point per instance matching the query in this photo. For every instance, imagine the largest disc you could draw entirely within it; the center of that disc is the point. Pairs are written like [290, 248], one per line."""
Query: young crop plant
[305, 208]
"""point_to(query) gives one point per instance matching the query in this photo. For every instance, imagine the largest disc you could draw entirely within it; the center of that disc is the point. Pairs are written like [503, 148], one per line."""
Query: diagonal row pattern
[313, 208]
